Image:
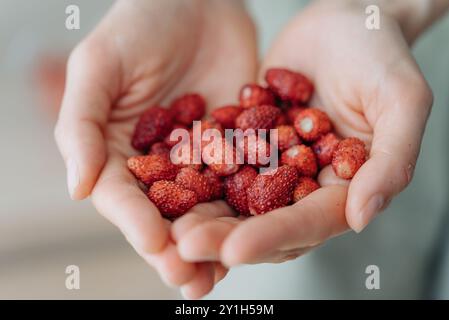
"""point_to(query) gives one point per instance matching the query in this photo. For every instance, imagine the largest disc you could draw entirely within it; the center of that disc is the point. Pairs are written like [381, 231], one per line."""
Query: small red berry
[293, 112]
[171, 199]
[289, 85]
[305, 187]
[256, 150]
[287, 137]
[151, 168]
[215, 183]
[188, 108]
[167, 139]
[235, 187]
[160, 148]
[302, 158]
[193, 180]
[253, 95]
[312, 123]
[221, 158]
[261, 117]
[324, 148]
[154, 124]
[272, 190]
[348, 157]
[226, 116]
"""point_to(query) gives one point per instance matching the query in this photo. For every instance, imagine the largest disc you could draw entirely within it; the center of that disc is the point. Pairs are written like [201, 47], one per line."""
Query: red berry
[287, 137]
[272, 190]
[221, 158]
[261, 117]
[167, 139]
[349, 155]
[302, 158]
[186, 155]
[312, 123]
[215, 183]
[160, 148]
[305, 187]
[154, 124]
[256, 150]
[324, 148]
[293, 112]
[235, 187]
[151, 168]
[289, 85]
[191, 179]
[253, 95]
[281, 120]
[226, 116]
[188, 108]
[171, 199]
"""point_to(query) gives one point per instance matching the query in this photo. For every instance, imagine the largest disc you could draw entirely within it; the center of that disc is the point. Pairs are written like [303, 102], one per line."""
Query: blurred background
[42, 231]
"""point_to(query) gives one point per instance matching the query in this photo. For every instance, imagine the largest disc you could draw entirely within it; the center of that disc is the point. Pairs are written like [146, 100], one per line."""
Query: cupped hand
[145, 53]
[371, 87]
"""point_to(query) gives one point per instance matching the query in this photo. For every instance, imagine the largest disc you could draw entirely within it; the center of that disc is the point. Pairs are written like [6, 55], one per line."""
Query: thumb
[398, 133]
[83, 116]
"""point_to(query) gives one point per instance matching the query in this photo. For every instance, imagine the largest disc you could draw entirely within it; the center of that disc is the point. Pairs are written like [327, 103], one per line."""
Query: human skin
[372, 88]
[144, 53]
[111, 80]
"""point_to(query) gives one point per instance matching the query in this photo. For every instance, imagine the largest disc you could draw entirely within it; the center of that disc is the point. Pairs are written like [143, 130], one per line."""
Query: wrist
[413, 16]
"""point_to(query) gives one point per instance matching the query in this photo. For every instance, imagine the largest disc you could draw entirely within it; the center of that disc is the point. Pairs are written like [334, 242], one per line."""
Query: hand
[372, 88]
[145, 53]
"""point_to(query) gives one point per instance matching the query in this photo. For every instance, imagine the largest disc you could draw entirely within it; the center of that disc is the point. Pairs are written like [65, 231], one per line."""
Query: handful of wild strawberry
[260, 155]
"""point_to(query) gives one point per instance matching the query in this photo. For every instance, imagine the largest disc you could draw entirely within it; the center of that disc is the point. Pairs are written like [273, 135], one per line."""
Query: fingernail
[369, 211]
[73, 178]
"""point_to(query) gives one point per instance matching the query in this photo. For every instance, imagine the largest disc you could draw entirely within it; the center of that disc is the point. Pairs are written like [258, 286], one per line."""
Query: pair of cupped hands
[148, 52]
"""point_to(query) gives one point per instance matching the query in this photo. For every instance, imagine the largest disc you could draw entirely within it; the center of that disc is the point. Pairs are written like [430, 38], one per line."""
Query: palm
[213, 57]
[363, 89]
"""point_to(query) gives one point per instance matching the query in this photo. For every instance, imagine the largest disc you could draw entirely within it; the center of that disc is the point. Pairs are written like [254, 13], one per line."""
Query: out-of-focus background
[42, 231]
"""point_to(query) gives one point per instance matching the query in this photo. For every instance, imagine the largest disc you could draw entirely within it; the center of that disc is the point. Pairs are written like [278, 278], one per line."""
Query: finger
[220, 272]
[173, 270]
[202, 284]
[84, 113]
[398, 132]
[199, 214]
[118, 198]
[327, 177]
[204, 241]
[309, 222]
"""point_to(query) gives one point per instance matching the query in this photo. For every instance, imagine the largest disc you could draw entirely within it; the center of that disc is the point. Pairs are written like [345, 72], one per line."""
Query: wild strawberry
[253, 95]
[287, 137]
[312, 123]
[261, 117]
[226, 116]
[168, 141]
[255, 150]
[292, 112]
[289, 85]
[305, 187]
[324, 148]
[215, 183]
[151, 168]
[281, 120]
[171, 199]
[160, 148]
[349, 155]
[235, 187]
[272, 190]
[302, 158]
[154, 124]
[186, 154]
[193, 180]
[221, 158]
[188, 108]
